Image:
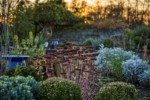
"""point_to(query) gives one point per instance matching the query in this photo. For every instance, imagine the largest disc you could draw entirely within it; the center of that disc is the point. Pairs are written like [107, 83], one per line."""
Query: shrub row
[27, 88]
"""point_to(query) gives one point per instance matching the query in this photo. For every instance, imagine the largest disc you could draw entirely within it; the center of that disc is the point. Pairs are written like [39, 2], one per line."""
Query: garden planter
[15, 60]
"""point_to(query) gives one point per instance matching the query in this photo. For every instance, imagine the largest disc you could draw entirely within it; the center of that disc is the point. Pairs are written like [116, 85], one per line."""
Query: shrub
[144, 78]
[110, 24]
[108, 43]
[132, 68]
[117, 91]
[24, 71]
[59, 89]
[19, 87]
[95, 42]
[110, 60]
[141, 33]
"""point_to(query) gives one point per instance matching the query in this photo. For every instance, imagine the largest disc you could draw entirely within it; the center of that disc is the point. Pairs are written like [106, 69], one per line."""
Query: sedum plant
[59, 89]
[117, 91]
[144, 78]
[132, 68]
[18, 88]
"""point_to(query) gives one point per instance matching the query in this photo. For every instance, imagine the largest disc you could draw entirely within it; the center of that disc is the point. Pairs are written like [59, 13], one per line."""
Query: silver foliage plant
[144, 78]
[132, 68]
[108, 55]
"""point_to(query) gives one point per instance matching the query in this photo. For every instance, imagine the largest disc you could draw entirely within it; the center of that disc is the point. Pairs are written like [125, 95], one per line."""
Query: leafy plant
[95, 42]
[18, 87]
[108, 43]
[39, 64]
[28, 46]
[59, 89]
[117, 91]
[24, 71]
[129, 41]
[144, 78]
[138, 35]
[110, 60]
[132, 68]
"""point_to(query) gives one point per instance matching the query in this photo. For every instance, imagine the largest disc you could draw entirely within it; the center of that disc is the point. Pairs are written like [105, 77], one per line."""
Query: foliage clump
[18, 87]
[59, 89]
[39, 64]
[144, 78]
[132, 68]
[53, 14]
[29, 46]
[110, 60]
[24, 71]
[108, 43]
[95, 42]
[117, 91]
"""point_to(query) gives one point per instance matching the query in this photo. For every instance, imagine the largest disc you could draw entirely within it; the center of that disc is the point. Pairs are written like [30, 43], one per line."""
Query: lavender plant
[132, 68]
[144, 78]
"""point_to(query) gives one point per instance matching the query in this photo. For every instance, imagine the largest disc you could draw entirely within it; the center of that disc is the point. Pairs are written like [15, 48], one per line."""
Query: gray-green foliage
[117, 91]
[132, 68]
[59, 89]
[144, 78]
[18, 88]
[95, 42]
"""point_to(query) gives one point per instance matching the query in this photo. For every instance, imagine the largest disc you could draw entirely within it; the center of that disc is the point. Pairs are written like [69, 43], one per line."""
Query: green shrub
[108, 43]
[140, 34]
[18, 88]
[59, 89]
[117, 91]
[23, 71]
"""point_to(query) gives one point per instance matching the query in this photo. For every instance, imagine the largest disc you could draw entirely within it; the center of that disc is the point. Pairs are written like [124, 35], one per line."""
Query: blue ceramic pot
[15, 60]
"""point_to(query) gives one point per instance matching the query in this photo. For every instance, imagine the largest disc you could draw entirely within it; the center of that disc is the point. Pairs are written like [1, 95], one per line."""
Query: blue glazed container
[15, 60]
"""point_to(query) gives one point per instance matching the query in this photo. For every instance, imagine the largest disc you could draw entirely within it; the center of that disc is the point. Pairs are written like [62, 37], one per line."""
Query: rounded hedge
[117, 91]
[19, 88]
[59, 89]
[24, 71]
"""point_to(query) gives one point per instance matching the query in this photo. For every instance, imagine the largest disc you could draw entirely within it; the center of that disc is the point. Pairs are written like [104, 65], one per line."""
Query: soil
[143, 93]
